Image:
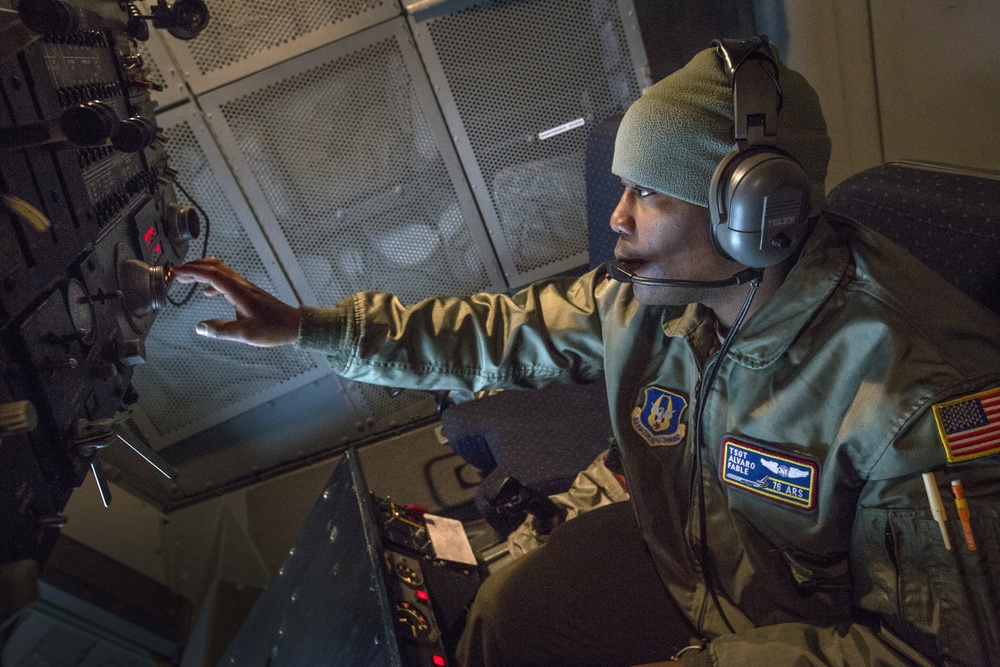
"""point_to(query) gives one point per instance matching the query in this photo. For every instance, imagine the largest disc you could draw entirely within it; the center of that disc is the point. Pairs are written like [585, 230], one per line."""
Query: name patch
[780, 477]
[658, 419]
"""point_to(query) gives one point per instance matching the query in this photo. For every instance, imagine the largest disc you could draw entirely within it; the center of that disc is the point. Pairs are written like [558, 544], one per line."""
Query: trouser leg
[590, 596]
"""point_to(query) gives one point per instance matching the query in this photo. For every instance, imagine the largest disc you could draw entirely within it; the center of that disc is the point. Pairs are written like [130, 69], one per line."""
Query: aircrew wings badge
[970, 425]
[658, 419]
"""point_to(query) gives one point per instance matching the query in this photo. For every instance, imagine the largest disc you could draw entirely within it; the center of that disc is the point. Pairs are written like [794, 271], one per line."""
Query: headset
[759, 195]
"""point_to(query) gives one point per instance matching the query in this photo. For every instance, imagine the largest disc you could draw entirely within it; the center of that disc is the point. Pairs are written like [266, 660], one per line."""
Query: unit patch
[658, 419]
[786, 479]
[970, 426]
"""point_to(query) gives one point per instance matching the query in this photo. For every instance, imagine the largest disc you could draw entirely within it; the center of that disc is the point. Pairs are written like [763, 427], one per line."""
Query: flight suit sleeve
[918, 602]
[549, 332]
[941, 601]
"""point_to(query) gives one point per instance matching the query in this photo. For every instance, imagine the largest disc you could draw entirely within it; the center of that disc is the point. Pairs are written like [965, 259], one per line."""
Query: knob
[89, 124]
[17, 417]
[133, 134]
[184, 19]
[53, 17]
[781, 241]
[136, 26]
[183, 224]
[144, 287]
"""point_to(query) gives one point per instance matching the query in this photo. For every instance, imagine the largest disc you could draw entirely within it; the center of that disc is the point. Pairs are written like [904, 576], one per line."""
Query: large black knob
[133, 134]
[136, 25]
[52, 17]
[184, 19]
[90, 124]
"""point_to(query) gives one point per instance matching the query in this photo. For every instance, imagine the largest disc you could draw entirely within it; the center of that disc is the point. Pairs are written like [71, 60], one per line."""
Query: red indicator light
[422, 596]
[438, 660]
[158, 248]
[150, 233]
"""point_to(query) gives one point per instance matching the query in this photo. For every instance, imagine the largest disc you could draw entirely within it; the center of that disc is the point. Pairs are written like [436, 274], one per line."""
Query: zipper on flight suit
[696, 470]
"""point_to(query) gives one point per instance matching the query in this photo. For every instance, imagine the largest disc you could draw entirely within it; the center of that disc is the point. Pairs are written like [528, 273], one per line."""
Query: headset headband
[753, 75]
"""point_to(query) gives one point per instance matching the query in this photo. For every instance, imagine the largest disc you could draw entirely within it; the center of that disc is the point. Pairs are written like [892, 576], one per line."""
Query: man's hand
[261, 319]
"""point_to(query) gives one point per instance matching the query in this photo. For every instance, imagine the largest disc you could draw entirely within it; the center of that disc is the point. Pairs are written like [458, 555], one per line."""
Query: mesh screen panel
[381, 402]
[193, 382]
[155, 74]
[240, 30]
[514, 70]
[347, 164]
[160, 68]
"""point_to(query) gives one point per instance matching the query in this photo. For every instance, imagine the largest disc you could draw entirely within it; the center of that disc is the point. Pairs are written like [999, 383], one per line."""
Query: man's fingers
[217, 277]
[245, 331]
[220, 329]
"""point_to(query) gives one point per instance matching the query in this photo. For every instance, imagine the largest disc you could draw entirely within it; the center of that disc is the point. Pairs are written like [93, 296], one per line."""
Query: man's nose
[621, 221]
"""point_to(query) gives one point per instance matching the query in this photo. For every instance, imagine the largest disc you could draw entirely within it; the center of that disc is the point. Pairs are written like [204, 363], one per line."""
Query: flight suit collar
[810, 283]
[772, 329]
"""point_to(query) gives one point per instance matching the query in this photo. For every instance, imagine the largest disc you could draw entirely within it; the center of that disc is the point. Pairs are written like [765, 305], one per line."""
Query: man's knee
[498, 620]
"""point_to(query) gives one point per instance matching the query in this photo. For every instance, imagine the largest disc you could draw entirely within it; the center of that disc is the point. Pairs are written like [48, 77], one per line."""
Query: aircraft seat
[946, 217]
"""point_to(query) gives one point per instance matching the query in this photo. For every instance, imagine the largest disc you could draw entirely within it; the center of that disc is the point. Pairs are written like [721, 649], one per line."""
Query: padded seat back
[947, 218]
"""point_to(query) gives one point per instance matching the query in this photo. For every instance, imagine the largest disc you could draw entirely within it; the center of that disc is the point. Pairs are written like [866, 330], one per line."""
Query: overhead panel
[520, 84]
[198, 382]
[351, 173]
[246, 36]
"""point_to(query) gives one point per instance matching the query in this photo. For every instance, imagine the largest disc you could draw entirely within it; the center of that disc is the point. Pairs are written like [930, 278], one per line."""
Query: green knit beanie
[673, 137]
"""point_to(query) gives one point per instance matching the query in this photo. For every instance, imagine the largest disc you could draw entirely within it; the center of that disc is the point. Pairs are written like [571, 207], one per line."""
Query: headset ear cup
[718, 205]
[762, 198]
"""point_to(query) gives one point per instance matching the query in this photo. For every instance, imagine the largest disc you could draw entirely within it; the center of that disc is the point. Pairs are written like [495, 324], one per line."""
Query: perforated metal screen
[246, 36]
[510, 75]
[161, 70]
[191, 382]
[348, 173]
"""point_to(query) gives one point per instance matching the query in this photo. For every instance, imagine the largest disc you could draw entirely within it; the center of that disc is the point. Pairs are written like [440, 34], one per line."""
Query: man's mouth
[631, 264]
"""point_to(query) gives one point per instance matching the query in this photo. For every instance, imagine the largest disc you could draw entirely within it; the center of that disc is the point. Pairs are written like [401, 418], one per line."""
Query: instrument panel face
[88, 230]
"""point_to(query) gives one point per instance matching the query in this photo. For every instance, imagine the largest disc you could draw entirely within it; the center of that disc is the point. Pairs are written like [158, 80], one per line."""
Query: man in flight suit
[776, 434]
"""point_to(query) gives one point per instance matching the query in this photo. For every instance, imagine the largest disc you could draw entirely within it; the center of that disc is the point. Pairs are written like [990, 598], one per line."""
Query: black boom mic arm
[618, 272]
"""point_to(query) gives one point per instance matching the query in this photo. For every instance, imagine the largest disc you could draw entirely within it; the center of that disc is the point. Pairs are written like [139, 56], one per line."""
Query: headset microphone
[618, 272]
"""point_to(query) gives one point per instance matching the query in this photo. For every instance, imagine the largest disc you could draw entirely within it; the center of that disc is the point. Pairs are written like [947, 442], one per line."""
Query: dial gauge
[411, 621]
[408, 575]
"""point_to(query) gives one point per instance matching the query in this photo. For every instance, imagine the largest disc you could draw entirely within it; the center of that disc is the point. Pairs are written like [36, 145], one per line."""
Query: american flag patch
[970, 426]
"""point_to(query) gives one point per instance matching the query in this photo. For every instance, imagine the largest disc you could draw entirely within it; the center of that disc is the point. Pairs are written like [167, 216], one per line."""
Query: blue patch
[658, 420]
[778, 476]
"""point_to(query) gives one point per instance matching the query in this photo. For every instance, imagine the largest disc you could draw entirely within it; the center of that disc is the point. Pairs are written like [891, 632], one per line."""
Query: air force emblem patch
[658, 419]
